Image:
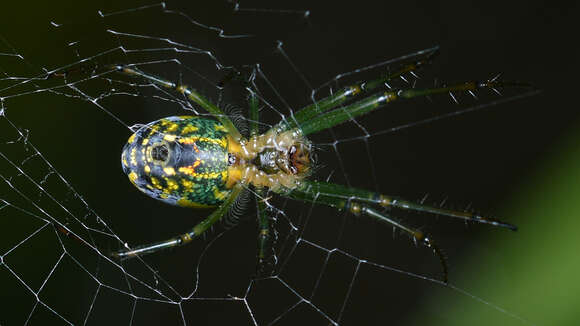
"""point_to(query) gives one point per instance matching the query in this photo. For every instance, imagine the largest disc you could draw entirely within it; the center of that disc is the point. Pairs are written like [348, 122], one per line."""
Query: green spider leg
[425, 57]
[266, 258]
[362, 202]
[326, 113]
[371, 103]
[191, 94]
[187, 237]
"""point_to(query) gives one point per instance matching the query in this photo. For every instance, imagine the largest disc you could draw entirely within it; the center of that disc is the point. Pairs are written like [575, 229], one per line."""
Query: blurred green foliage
[535, 272]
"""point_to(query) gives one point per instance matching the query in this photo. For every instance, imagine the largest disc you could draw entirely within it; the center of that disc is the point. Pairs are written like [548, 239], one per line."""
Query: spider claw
[440, 254]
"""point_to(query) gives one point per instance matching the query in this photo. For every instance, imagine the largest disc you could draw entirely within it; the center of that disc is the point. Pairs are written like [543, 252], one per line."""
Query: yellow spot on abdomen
[131, 139]
[187, 184]
[169, 171]
[172, 127]
[192, 139]
[188, 140]
[190, 170]
[189, 128]
[156, 183]
[133, 176]
[134, 156]
[154, 129]
[169, 137]
[172, 185]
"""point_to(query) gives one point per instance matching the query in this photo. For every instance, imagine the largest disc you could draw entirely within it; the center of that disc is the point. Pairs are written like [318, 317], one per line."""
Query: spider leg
[417, 235]
[254, 115]
[373, 102]
[338, 196]
[424, 58]
[189, 93]
[266, 237]
[362, 202]
[184, 238]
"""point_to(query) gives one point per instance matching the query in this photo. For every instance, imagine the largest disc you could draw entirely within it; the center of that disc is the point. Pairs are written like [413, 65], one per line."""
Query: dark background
[488, 160]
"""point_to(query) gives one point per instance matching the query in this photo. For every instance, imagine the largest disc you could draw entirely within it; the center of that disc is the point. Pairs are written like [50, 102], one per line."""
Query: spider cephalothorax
[276, 160]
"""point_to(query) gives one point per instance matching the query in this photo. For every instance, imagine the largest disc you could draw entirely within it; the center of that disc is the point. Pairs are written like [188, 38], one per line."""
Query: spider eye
[160, 153]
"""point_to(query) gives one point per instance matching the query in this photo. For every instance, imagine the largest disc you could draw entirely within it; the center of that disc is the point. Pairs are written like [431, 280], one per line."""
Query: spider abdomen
[179, 160]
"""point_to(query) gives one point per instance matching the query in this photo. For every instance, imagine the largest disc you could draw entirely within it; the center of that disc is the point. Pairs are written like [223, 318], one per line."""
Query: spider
[200, 162]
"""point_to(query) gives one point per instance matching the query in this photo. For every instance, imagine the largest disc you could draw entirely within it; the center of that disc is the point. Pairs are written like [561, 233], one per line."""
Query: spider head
[293, 160]
[298, 158]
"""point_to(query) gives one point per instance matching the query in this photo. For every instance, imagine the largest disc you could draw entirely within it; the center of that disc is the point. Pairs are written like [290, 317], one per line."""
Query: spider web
[65, 203]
